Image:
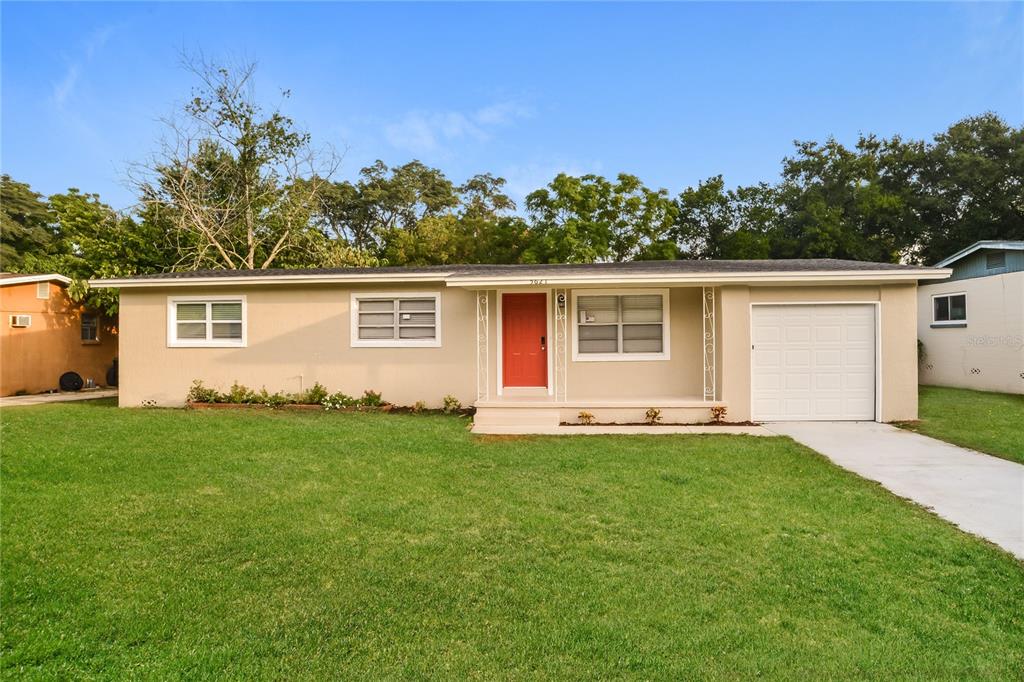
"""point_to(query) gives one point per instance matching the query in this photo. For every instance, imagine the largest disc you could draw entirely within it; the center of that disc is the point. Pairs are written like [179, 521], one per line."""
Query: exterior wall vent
[994, 260]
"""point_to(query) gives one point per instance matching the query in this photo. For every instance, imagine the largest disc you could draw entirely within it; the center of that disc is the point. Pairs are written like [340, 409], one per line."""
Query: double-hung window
[385, 320]
[621, 325]
[215, 321]
[949, 310]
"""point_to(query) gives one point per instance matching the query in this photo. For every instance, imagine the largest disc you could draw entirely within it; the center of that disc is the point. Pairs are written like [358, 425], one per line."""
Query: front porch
[533, 414]
[603, 355]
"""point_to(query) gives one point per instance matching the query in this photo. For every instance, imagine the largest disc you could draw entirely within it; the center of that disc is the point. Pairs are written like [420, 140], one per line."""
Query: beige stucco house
[971, 325]
[533, 345]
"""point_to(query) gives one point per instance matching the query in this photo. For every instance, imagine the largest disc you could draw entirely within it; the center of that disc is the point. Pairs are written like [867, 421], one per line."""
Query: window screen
[90, 327]
[952, 308]
[208, 321]
[626, 324]
[397, 319]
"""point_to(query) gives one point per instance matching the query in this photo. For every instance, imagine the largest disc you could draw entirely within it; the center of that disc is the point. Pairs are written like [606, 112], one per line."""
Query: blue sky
[671, 92]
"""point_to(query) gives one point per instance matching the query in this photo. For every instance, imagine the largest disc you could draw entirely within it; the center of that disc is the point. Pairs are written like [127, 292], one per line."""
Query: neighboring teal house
[971, 325]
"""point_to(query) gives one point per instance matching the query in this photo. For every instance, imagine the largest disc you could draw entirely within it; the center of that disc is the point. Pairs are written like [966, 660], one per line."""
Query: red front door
[524, 339]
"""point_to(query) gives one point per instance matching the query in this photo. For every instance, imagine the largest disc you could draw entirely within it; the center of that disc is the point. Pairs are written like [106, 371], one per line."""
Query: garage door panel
[798, 358]
[828, 382]
[813, 362]
[828, 359]
[797, 382]
[832, 333]
[798, 333]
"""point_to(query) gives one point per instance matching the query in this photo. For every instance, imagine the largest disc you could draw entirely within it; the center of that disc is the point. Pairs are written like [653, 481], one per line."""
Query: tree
[368, 213]
[26, 224]
[93, 240]
[589, 218]
[971, 186]
[238, 186]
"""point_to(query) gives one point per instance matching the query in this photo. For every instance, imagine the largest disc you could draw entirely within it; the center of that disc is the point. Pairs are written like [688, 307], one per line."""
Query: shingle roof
[633, 267]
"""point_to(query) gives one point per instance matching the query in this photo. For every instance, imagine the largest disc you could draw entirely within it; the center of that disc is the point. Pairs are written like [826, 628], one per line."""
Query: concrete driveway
[981, 494]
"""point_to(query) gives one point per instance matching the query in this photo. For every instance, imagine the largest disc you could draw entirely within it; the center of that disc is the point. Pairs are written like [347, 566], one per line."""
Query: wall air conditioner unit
[21, 320]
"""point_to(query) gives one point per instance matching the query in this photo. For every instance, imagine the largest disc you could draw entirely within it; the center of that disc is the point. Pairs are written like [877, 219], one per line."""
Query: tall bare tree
[235, 185]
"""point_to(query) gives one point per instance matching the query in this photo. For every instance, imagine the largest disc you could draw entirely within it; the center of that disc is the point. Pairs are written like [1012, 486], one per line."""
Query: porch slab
[620, 430]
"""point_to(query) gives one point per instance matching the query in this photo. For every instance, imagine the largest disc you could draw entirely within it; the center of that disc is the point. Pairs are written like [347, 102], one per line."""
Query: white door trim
[878, 344]
[547, 337]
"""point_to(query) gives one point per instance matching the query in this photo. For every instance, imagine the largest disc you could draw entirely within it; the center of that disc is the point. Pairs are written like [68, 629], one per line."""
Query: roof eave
[708, 278]
[28, 279]
[468, 281]
[136, 283]
[978, 246]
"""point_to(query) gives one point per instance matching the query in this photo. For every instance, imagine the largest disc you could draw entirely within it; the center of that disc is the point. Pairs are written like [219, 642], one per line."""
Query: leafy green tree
[26, 224]
[94, 241]
[382, 202]
[971, 186]
[590, 218]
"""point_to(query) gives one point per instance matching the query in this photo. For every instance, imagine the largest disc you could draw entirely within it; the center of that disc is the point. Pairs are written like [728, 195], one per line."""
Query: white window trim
[172, 326]
[666, 328]
[39, 288]
[950, 323]
[357, 342]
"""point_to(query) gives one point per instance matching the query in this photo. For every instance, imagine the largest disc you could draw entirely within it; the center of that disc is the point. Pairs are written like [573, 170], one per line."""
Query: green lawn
[209, 544]
[989, 422]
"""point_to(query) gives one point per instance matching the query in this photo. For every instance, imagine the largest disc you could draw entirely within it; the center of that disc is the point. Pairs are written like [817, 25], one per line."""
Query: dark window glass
[90, 327]
[942, 309]
[958, 307]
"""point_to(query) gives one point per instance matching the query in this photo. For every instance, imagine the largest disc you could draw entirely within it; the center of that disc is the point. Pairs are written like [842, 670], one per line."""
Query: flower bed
[315, 398]
[385, 407]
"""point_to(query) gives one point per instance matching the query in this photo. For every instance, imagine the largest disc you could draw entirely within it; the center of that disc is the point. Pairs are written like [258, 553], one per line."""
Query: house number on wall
[538, 281]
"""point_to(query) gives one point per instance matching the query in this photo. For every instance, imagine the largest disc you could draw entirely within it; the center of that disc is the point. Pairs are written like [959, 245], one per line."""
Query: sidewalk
[42, 398]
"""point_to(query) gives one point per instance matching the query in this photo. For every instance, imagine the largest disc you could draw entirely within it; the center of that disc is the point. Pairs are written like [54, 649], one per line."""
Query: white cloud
[66, 86]
[432, 132]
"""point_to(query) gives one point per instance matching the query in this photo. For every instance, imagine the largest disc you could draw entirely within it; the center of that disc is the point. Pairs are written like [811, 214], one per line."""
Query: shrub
[451, 404]
[239, 395]
[201, 394]
[419, 406]
[276, 399]
[371, 399]
[585, 417]
[336, 401]
[314, 395]
[652, 416]
[718, 413]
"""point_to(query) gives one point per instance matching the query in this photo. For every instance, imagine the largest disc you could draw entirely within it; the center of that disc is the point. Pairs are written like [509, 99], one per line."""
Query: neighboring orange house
[46, 334]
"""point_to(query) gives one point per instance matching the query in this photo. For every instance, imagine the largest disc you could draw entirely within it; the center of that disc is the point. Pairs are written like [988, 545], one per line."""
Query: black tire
[112, 374]
[71, 381]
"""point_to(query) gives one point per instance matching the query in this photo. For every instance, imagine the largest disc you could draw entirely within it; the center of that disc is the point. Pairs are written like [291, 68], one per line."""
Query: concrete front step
[622, 430]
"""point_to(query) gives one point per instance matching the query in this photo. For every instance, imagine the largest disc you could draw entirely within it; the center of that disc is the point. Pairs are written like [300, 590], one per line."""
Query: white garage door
[813, 362]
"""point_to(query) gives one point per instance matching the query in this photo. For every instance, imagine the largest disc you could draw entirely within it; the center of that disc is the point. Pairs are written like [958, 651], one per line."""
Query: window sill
[395, 344]
[94, 342]
[621, 357]
[205, 344]
[948, 325]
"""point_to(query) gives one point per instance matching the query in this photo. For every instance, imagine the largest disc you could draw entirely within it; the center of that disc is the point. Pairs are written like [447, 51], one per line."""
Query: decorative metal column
[709, 343]
[483, 334]
[561, 343]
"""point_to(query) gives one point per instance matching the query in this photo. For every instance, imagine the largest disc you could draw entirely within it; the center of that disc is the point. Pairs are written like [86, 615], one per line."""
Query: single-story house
[971, 326]
[45, 334]
[534, 345]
